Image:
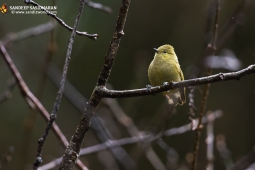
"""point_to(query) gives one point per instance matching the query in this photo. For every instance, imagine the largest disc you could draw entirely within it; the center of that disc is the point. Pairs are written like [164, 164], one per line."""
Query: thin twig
[98, 6]
[56, 106]
[32, 101]
[7, 93]
[72, 152]
[200, 127]
[61, 22]
[102, 91]
[212, 49]
[136, 139]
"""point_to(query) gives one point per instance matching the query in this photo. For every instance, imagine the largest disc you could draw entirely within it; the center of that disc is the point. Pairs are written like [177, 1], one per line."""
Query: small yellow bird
[165, 68]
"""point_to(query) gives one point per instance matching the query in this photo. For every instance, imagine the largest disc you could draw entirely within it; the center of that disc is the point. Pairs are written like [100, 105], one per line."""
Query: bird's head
[165, 51]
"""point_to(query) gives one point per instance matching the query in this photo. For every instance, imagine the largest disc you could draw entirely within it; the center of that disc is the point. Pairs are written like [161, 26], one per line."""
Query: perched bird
[165, 68]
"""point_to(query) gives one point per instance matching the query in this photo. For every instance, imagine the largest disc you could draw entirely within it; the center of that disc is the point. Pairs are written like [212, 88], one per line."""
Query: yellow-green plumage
[165, 68]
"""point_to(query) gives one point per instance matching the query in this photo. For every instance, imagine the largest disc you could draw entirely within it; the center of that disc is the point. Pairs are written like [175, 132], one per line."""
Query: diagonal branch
[212, 49]
[136, 139]
[56, 106]
[72, 151]
[98, 126]
[32, 101]
[60, 21]
[114, 44]
[105, 93]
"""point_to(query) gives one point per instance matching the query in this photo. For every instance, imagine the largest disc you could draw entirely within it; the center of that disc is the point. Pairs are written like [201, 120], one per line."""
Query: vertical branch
[72, 151]
[200, 126]
[212, 49]
[56, 106]
[210, 144]
[114, 44]
[192, 107]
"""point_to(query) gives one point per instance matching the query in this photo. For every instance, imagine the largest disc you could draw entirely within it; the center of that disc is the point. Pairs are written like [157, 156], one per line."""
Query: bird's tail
[176, 98]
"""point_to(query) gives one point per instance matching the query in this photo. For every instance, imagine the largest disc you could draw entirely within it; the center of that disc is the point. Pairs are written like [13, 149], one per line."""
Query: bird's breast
[161, 71]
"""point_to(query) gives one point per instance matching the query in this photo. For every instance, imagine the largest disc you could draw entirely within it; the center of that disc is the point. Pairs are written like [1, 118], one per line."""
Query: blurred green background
[150, 24]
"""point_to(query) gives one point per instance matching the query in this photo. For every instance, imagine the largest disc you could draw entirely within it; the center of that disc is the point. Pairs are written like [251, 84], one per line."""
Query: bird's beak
[156, 50]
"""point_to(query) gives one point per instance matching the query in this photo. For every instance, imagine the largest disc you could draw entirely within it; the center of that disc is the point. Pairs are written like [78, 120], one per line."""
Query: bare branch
[104, 92]
[72, 151]
[176, 131]
[101, 130]
[32, 101]
[136, 139]
[212, 49]
[56, 106]
[61, 22]
[114, 44]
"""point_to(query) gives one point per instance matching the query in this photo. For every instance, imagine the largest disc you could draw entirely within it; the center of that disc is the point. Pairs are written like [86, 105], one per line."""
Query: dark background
[150, 24]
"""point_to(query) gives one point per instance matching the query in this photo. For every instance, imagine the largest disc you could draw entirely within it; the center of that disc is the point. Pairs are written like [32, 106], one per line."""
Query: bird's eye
[164, 51]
